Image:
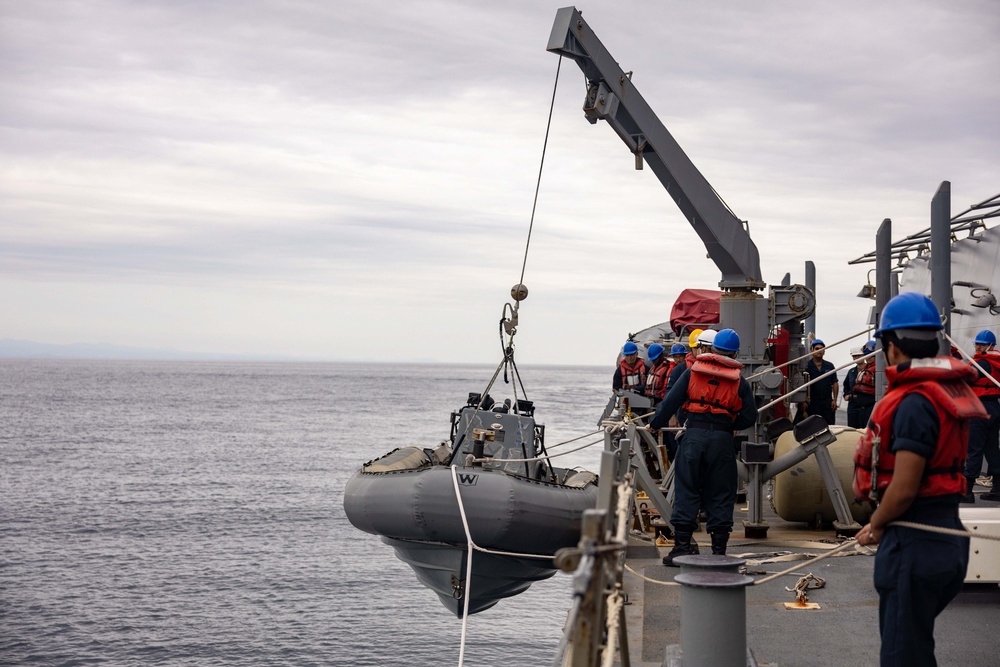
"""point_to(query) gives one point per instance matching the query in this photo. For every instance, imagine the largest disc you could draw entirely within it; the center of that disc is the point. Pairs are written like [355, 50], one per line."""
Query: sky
[355, 181]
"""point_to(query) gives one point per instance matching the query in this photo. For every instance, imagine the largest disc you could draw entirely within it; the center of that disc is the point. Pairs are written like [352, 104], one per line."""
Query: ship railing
[595, 632]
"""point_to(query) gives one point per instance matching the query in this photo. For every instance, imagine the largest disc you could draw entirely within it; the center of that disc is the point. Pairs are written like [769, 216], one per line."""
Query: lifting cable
[508, 359]
[538, 183]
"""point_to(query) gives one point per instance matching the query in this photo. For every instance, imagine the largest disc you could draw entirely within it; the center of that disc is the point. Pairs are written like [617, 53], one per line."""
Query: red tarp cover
[695, 307]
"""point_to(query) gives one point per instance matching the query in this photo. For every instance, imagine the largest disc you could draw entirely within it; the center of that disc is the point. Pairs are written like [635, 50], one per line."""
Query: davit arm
[612, 97]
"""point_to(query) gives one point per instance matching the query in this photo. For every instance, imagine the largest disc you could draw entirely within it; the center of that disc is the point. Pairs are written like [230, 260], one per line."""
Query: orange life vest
[714, 386]
[656, 380]
[634, 376]
[990, 361]
[865, 382]
[945, 383]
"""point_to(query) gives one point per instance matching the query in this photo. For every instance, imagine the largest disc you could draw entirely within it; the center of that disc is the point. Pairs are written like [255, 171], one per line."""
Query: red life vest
[634, 376]
[714, 386]
[865, 382]
[990, 361]
[656, 380]
[945, 383]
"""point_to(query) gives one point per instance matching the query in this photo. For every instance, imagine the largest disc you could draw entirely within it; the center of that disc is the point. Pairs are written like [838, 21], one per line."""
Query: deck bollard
[708, 563]
[713, 613]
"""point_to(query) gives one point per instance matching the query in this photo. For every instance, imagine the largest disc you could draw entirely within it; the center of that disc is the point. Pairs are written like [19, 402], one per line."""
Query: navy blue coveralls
[984, 435]
[705, 475]
[917, 573]
[821, 394]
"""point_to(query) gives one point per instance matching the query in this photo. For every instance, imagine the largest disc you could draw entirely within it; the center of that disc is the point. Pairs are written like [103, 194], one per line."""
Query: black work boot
[682, 547]
[969, 497]
[719, 542]
[994, 492]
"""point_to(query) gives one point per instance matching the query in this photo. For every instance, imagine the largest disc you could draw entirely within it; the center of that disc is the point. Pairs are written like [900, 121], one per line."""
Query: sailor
[659, 370]
[677, 354]
[849, 380]
[823, 394]
[688, 358]
[911, 458]
[984, 434]
[631, 372]
[700, 340]
[859, 407]
[715, 400]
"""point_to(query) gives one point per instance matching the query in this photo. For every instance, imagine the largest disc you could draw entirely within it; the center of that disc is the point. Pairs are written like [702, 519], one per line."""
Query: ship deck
[843, 630]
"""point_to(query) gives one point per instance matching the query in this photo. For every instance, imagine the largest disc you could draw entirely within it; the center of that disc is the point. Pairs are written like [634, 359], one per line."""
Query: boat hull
[504, 512]
[443, 569]
[416, 511]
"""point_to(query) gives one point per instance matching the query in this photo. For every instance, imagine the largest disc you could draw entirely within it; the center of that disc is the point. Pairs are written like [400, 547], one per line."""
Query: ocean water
[191, 513]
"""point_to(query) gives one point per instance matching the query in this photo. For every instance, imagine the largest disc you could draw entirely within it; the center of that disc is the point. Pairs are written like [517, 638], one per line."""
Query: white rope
[625, 491]
[539, 458]
[468, 535]
[468, 567]
[652, 581]
[615, 604]
[849, 543]
[836, 552]
[472, 546]
[581, 437]
[957, 532]
[806, 355]
[817, 379]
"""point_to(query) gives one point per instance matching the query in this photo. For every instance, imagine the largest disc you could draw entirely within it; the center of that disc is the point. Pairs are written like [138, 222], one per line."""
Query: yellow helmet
[693, 338]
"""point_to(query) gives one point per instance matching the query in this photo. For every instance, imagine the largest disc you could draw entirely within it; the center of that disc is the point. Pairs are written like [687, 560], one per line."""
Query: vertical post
[713, 618]
[811, 284]
[941, 256]
[883, 267]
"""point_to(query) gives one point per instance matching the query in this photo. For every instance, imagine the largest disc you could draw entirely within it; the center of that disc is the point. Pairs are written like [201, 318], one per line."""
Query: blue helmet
[816, 342]
[677, 348]
[727, 340]
[654, 351]
[630, 348]
[909, 310]
[868, 347]
[985, 337]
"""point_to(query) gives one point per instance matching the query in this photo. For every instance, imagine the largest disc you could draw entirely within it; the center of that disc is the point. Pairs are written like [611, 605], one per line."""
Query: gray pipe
[883, 267]
[811, 284]
[941, 256]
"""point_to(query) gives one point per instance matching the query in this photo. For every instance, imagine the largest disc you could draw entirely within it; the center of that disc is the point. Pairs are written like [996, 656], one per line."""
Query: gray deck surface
[844, 631]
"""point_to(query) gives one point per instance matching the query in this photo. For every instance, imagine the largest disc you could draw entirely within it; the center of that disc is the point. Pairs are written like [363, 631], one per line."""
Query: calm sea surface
[191, 513]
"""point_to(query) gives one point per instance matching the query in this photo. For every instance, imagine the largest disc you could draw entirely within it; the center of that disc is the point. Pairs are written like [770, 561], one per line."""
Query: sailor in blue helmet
[715, 401]
[984, 434]
[859, 409]
[823, 393]
[659, 370]
[910, 462]
[631, 372]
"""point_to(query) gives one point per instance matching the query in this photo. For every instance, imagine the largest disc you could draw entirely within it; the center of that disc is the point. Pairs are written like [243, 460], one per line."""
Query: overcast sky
[355, 180]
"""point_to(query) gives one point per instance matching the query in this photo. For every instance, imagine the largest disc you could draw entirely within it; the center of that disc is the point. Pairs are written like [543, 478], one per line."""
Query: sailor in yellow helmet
[695, 341]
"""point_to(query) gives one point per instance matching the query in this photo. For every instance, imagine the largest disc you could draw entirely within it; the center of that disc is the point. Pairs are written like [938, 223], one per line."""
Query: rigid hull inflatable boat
[522, 508]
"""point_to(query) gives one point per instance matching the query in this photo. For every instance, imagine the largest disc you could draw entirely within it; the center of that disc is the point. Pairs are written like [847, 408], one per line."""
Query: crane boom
[612, 97]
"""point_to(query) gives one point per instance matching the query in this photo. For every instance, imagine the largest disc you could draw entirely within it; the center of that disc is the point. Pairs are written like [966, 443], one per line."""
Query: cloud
[321, 171]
